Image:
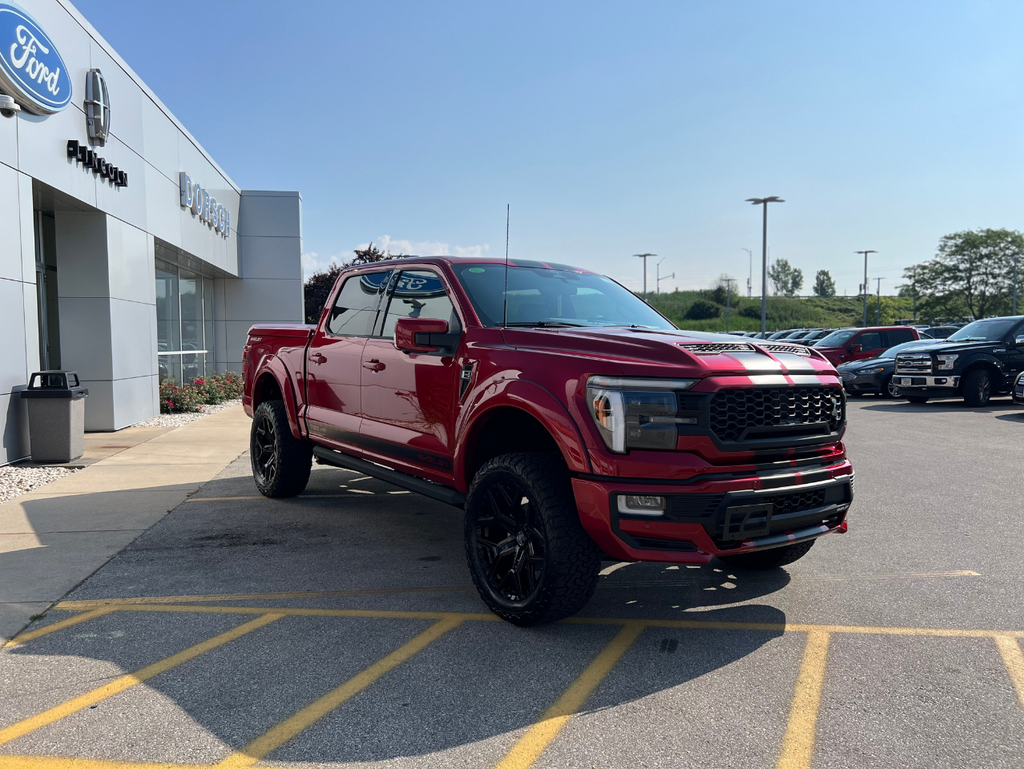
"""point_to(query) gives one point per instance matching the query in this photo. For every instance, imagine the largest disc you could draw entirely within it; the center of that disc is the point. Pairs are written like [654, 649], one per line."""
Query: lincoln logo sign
[31, 69]
[204, 205]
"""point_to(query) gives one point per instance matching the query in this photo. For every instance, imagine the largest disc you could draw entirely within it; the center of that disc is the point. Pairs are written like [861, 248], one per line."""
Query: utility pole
[913, 286]
[664, 277]
[866, 282]
[728, 296]
[1015, 285]
[764, 256]
[644, 257]
[879, 315]
[657, 272]
[750, 279]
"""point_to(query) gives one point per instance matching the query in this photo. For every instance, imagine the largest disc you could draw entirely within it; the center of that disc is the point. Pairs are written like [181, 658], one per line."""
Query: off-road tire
[916, 398]
[567, 558]
[977, 388]
[280, 463]
[768, 559]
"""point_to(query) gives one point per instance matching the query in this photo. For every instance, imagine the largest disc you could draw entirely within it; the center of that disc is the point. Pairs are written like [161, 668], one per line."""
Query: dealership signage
[201, 203]
[31, 69]
[99, 166]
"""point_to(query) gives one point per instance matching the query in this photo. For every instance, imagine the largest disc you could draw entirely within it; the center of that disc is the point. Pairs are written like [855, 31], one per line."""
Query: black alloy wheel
[264, 450]
[511, 544]
[280, 462]
[528, 554]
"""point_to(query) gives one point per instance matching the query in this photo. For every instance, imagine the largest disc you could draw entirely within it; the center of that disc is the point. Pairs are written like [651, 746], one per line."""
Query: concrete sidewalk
[56, 536]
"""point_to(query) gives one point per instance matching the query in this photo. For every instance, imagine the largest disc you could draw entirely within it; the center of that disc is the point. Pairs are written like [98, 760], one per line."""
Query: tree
[788, 280]
[318, 287]
[971, 274]
[824, 285]
[702, 309]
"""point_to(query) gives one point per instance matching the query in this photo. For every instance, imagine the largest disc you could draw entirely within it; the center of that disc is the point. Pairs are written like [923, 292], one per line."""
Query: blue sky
[611, 129]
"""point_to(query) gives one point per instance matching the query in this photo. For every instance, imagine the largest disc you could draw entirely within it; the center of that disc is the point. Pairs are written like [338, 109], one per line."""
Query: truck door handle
[318, 358]
[374, 365]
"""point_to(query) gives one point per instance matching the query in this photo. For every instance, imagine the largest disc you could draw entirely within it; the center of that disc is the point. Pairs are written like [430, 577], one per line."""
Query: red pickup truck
[570, 420]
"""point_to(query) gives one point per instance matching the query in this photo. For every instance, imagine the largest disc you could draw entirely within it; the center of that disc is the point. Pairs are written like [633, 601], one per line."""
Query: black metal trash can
[56, 415]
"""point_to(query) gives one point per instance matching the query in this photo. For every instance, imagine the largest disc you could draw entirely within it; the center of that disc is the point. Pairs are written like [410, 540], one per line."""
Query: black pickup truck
[980, 360]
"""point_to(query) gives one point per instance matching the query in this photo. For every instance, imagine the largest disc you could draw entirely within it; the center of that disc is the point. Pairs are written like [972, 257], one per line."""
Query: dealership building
[126, 253]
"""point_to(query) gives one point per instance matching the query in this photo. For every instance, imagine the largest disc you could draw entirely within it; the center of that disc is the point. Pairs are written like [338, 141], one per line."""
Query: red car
[850, 344]
[570, 420]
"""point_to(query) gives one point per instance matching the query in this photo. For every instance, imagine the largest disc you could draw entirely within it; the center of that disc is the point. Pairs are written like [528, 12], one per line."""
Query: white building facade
[126, 253]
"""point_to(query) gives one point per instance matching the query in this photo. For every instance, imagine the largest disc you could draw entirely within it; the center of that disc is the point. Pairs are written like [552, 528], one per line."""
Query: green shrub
[702, 309]
[178, 400]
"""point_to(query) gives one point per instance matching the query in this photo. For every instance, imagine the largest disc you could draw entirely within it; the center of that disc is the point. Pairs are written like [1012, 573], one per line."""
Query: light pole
[764, 256]
[644, 257]
[750, 280]
[664, 277]
[657, 273]
[878, 316]
[866, 283]
[728, 295]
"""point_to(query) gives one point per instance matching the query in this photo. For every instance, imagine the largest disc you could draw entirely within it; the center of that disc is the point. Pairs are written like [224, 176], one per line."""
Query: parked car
[815, 336]
[849, 344]
[982, 359]
[781, 334]
[1018, 390]
[875, 375]
[569, 420]
[938, 332]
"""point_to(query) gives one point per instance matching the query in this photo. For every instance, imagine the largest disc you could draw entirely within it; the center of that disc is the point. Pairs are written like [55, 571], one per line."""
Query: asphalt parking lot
[341, 627]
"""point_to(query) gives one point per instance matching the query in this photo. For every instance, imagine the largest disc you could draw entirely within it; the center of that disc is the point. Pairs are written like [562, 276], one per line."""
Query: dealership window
[184, 322]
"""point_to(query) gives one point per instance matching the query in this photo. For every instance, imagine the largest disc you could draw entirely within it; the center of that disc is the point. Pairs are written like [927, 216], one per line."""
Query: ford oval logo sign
[31, 69]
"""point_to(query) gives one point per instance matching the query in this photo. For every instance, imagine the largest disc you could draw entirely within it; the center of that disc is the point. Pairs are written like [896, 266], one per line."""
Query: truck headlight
[946, 361]
[637, 413]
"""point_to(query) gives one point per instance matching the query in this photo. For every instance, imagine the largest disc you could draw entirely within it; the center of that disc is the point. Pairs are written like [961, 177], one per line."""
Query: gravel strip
[15, 481]
[177, 420]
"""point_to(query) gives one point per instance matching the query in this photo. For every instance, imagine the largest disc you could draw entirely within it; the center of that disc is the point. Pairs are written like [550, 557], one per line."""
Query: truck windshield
[984, 330]
[553, 297]
[837, 338]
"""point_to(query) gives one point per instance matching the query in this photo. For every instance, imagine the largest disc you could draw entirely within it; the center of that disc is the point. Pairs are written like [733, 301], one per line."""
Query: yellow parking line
[58, 762]
[265, 596]
[132, 679]
[83, 617]
[798, 743]
[303, 719]
[1009, 650]
[530, 746]
[783, 627]
[302, 612]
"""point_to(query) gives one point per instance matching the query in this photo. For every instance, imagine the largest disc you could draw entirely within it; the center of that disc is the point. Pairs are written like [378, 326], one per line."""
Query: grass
[783, 312]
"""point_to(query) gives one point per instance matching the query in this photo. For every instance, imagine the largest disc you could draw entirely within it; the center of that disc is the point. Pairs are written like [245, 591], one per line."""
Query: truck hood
[956, 347]
[688, 353]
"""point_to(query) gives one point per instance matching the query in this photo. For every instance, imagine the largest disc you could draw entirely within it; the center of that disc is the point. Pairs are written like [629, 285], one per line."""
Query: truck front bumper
[715, 517]
[932, 385]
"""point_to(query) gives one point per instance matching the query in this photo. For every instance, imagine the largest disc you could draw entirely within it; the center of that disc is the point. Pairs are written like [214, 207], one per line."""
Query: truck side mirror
[423, 335]
[855, 348]
[1019, 341]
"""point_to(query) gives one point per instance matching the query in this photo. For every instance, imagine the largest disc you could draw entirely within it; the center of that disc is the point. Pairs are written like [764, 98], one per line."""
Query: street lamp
[728, 294]
[657, 274]
[866, 283]
[764, 257]
[879, 315]
[750, 280]
[644, 257]
[1014, 285]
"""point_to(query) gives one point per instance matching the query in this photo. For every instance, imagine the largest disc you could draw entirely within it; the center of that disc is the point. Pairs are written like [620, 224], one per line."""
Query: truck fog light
[637, 504]
[940, 381]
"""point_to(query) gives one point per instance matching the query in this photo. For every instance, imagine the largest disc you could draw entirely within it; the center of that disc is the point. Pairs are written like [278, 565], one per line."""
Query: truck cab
[571, 421]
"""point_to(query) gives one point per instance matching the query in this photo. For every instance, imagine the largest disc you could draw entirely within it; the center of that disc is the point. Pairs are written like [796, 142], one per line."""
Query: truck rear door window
[355, 309]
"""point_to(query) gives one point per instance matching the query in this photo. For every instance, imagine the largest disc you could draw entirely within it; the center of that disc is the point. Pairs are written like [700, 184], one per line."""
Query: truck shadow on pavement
[375, 551]
[995, 406]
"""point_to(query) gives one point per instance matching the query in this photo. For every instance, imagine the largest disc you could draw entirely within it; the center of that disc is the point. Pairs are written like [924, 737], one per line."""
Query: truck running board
[404, 480]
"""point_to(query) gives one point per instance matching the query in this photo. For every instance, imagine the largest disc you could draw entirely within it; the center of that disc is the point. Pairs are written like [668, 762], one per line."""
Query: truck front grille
[760, 413]
[914, 363]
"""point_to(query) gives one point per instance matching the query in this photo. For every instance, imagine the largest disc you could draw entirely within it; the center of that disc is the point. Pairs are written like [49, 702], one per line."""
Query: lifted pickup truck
[572, 422]
[978, 361]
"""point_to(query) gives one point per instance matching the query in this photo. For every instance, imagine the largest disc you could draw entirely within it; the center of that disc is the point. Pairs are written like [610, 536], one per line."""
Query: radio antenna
[508, 211]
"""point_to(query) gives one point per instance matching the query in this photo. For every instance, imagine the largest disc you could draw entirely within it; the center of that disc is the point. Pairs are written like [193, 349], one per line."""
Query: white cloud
[313, 262]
